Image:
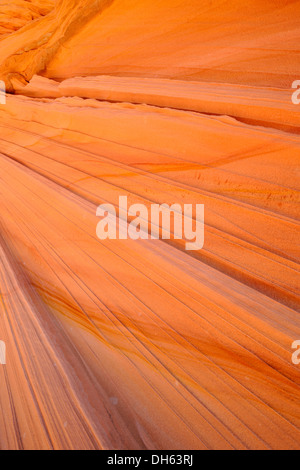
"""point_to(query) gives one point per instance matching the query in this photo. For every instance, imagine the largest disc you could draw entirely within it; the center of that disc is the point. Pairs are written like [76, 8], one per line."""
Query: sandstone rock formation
[18, 13]
[124, 344]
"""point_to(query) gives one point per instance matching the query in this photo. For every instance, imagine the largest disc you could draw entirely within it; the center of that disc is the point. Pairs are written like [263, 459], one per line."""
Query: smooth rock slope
[124, 344]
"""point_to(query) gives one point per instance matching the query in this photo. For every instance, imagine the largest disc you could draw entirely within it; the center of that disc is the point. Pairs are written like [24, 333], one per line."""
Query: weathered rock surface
[124, 344]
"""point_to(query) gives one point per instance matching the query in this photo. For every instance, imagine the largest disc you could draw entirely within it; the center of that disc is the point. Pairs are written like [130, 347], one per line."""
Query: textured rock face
[194, 40]
[32, 47]
[18, 13]
[158, 38]
[124, 344]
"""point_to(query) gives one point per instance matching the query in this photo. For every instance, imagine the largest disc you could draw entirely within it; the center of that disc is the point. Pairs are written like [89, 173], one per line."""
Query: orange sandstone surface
[140, 344]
